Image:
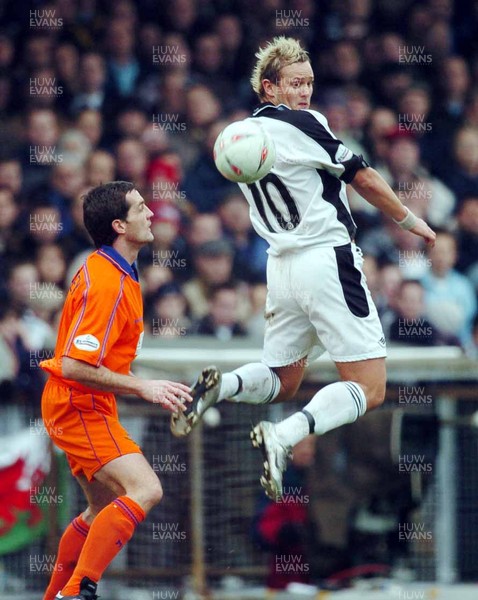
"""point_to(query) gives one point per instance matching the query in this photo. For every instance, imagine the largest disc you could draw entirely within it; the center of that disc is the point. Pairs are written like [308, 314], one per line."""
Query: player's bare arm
[373, 187]
[168, 394]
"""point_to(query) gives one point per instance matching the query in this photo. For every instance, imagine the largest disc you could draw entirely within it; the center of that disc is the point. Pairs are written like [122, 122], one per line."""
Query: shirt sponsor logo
[140, 343]
[86, 342]
[343, 154]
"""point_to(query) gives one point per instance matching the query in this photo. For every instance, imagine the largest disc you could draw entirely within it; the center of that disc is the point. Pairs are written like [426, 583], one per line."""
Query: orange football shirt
[102, 319]
[101, 324]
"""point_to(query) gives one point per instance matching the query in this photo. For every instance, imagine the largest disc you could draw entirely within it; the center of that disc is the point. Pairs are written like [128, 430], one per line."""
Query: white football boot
[275, 456]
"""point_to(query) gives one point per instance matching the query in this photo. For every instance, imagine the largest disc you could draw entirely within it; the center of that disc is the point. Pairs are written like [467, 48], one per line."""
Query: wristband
[408, 222]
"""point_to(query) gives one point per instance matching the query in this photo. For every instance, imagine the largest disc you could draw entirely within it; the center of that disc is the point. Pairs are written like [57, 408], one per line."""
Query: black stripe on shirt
[310, 126]
[331, 194]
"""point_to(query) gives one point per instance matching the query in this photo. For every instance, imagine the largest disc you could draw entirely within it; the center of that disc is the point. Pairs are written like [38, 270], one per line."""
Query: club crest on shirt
[343, 154]
[86, 342]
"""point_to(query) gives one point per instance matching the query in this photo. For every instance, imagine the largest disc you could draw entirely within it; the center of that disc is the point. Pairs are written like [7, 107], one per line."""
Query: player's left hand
[169, 394]
[421, 229]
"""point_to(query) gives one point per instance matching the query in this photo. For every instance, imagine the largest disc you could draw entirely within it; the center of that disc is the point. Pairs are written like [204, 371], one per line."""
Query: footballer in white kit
[317, 294]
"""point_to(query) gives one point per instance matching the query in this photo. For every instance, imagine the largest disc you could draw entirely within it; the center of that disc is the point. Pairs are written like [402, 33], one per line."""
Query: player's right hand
[422, 229]
[168, 394]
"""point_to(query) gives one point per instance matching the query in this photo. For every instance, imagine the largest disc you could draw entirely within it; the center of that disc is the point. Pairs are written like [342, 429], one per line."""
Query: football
[244, 152]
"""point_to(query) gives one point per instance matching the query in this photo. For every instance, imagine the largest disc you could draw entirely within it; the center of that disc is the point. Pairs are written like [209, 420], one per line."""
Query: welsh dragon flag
[24, 464]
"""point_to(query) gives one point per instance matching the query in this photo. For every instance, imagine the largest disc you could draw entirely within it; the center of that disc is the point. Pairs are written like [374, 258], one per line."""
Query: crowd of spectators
[92, 91]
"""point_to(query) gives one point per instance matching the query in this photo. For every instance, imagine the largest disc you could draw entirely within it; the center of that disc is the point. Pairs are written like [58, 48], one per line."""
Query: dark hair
[167, 289]
[103, 204]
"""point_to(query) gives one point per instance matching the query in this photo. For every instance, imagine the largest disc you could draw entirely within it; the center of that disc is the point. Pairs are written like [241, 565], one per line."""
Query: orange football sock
[69, 550]
[111, 529]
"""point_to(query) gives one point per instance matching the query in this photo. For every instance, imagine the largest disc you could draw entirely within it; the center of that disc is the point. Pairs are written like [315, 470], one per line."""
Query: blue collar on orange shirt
[115, 257]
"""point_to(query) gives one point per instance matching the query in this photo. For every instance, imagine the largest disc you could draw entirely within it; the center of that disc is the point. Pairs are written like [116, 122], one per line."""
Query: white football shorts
[318, 301]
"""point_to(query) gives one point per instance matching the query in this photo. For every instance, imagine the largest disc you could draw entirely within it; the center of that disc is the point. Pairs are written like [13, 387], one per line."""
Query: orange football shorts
[85, 426]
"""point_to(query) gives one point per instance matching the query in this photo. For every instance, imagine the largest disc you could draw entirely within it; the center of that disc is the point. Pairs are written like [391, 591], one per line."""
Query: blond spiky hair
[279, 53]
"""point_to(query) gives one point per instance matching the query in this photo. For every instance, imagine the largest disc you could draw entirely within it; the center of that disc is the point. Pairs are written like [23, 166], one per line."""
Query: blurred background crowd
[92, 91]
[97, 90]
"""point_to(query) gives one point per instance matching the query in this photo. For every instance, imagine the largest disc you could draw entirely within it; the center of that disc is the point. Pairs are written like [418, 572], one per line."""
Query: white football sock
[254, 383]
[334, 405]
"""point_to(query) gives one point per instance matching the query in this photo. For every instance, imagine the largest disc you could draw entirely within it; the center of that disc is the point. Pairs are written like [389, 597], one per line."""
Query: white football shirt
[302, 201]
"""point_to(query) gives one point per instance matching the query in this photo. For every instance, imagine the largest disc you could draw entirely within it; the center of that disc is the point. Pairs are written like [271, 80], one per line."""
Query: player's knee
[153, 493]
[376, 395]
[146, 491]
[287, 391]
[157, 494]
[288, 386]
[93, 509]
